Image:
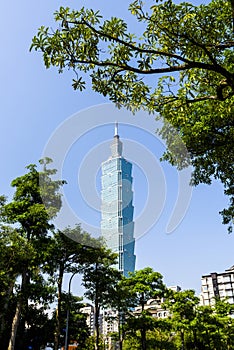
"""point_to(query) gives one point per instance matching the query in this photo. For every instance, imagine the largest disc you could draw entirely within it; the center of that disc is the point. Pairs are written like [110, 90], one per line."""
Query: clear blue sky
[36, 102]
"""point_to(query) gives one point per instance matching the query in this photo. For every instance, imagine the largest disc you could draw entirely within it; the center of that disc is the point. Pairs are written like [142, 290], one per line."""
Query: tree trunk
[15, 324]
[182, 340]
[143, 338]
[4, 310]
[58, 313]
[96, 310]
[195, 340]
[96, 323]
[120, 323]
[16, 319]
[208, 339]
[143, 330]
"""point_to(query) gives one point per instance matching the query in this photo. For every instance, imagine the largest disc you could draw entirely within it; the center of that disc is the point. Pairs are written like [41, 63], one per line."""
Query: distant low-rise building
[110, 321]
[219, 285]
[89, 311]
[154, 306]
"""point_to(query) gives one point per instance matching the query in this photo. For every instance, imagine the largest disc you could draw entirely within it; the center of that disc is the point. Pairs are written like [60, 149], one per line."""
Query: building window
[226, 278]
[120, 243]
[121, 261]
[229, 293]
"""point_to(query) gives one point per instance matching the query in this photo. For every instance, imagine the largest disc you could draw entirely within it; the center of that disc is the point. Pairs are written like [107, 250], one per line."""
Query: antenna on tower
[116, 129]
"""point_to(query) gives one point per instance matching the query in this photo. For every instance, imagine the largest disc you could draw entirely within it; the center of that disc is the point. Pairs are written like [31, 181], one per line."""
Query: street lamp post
[68, 310]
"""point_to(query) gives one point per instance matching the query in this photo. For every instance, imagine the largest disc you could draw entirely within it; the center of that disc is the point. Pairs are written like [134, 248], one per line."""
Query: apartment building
[218, 285]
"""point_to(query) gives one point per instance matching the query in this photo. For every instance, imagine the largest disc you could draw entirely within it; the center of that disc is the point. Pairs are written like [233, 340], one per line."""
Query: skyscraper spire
[116, 145]
[116, 129]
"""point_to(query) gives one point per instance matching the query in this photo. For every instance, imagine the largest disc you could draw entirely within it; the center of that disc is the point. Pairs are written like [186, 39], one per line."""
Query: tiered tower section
[117, 224]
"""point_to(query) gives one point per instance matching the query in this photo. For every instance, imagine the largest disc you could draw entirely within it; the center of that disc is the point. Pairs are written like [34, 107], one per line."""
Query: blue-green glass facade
[117, 224]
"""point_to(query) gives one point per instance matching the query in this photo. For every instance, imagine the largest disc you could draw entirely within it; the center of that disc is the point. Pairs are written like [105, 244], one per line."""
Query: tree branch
[128, 44]
[215, 67]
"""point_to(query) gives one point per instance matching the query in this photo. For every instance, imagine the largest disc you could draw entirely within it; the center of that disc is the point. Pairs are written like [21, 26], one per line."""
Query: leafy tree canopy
[179, 67]
[25, 223]
[36, 201]
[143, 285]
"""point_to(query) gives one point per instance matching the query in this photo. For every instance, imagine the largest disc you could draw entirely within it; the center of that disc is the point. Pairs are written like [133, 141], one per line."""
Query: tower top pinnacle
[116, 145]
[116, 129]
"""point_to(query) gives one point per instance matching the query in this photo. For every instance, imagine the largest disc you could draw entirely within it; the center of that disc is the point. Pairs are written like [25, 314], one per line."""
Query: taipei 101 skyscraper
[117, 224]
